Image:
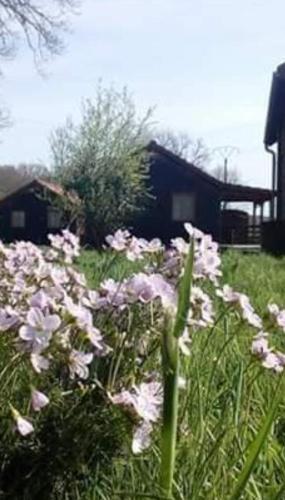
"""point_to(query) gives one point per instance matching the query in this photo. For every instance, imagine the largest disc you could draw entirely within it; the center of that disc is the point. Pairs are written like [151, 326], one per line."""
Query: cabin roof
[225, 191]
[11, 179]
[276, 107]
[50, 186]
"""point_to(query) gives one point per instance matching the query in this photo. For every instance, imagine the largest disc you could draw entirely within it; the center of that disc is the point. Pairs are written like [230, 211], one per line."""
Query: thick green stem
[170, 358]
[170, 414]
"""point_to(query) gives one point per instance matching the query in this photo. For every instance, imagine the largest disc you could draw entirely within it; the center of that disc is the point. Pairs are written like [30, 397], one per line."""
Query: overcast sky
[205, 64]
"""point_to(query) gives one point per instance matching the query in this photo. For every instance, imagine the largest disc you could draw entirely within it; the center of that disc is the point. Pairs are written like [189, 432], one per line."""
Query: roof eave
[270, 135]
[275, 107]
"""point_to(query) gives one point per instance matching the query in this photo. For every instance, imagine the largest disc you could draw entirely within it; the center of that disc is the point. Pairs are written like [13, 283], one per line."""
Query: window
[53, 218]
[183, 207]
[18, 219]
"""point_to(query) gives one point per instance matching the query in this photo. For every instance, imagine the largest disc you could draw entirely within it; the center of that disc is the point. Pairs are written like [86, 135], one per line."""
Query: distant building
[274, 141]
[182, 192]
[32, 211]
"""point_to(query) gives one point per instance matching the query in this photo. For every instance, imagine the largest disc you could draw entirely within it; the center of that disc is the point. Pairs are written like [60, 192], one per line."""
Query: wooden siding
[165, 180]
[33, 201]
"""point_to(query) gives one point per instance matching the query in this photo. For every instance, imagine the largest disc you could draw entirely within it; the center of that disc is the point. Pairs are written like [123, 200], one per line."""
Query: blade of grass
[255, 447]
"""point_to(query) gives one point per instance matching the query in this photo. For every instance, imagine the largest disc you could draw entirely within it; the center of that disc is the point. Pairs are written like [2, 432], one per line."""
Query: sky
[206, 66]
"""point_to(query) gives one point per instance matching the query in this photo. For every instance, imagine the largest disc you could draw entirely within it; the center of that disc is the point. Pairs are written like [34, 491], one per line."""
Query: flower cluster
[53, 321]
[242, 303]
[144, 403]
[270, 357]
[42, 315]
[134, 248]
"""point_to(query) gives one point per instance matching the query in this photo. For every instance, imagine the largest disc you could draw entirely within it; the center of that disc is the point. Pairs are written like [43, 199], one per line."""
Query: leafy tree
[103, 160]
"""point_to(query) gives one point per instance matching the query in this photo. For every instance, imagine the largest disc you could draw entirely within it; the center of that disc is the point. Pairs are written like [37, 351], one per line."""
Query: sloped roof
[225, 191]
[50, 186]
[188, 168]
[11, 179]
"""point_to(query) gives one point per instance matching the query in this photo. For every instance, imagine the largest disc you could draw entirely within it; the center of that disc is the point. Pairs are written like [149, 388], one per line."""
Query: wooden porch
[240, 227]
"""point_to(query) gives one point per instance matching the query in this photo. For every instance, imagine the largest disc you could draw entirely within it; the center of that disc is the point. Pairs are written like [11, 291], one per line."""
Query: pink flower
[39, 362]
[145, 399]
[184, 343]
[39, 329]
[78, 363]
[193, 231]
[135, 249]
[67, 243]
[280, 319]
[39, 400]
[114, 293]
[82, 315]
[8, 319]
[23, 425]
[41, 300]
[119, 240]
[154, 246]
[141, 437]
[259, 345]
[148, 400]
[180, 245]
[123, 398]
[273, 362]
[273, 309]
[228, 294]
[141, 287]
[248, 312]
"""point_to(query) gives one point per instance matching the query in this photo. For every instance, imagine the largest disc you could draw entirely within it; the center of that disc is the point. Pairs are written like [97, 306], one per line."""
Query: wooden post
[254, 214]
[261, 212]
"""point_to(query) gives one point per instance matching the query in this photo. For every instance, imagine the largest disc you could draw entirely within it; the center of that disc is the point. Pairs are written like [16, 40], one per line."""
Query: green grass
[101, 265]
[227, 399]
[222, 410]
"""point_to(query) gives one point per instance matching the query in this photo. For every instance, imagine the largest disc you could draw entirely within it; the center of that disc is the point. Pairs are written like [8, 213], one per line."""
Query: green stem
[170, 414]
[170, 361]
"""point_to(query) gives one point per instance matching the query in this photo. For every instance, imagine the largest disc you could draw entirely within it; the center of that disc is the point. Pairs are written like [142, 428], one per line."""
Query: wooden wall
[167, 178]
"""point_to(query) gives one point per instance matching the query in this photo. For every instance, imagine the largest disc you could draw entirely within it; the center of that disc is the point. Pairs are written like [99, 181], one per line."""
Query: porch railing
[254, 234]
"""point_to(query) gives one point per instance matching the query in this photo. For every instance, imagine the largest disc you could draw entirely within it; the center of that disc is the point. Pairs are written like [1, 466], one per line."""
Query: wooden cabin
[33, 210]
[182, 192]
[274, 141]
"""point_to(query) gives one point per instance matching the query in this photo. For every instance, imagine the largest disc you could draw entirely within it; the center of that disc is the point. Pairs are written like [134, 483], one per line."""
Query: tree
[32, 170]
[39, 22]
[181, 144]
[103, 159]
[233, 175]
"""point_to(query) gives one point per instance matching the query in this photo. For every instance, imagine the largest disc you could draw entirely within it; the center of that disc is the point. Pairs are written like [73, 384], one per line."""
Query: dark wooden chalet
[182, 192]
[274, 141]
[33, 210]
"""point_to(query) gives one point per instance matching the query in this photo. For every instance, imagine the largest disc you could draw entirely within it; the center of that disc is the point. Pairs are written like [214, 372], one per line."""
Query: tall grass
[226, 406]
[227, 401]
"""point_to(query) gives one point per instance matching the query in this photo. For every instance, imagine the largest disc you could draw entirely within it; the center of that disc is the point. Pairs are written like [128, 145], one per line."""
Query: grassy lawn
[81, 449]
[226, 399]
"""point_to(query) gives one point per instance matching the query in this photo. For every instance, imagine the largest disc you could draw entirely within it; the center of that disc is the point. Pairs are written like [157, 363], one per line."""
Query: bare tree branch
[233, 175]
[181, 144]
[40, 22]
